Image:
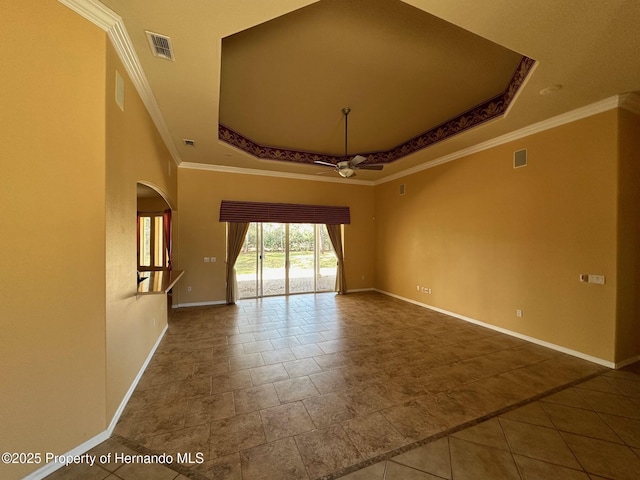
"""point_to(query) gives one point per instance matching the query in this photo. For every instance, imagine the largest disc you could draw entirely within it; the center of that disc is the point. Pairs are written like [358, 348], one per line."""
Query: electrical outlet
[188, 289]
[519, 313]
[418, 287]
[598, 279]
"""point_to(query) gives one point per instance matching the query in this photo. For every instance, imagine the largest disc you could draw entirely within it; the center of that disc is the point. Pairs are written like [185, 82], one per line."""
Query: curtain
[335, 234]
[138, 237]
[236, 235]
[166, 227]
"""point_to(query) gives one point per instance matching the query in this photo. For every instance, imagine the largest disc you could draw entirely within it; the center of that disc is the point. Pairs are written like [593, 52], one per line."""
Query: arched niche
[154, 242]
[151, 198]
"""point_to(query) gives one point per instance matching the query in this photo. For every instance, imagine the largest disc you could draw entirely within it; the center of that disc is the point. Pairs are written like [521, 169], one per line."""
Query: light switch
[206, 259]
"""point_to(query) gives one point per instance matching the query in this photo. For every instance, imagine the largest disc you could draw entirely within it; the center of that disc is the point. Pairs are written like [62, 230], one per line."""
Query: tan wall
[628, 326]
[202, 235]
[52, 338]
[135, 153]
[489, 239]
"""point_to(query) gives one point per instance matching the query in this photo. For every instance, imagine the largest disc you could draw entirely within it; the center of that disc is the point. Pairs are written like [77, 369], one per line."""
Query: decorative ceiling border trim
[112, 23]
[488, 110]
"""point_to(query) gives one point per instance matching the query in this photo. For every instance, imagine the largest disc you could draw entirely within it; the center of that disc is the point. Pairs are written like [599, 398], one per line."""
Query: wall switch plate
[206, 259]
[214, 259]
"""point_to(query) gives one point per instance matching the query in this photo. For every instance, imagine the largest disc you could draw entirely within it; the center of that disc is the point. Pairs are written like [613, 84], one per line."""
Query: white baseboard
[49, 468]
[537, 341]
[134, 384]
[105, 434]
[628, 361]
[199, 304]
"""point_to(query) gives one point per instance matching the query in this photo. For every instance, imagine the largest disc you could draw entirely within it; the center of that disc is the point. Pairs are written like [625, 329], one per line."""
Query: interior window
[152, 254]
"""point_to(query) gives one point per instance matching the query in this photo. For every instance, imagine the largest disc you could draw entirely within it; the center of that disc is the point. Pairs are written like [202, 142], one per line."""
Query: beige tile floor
[365, 386]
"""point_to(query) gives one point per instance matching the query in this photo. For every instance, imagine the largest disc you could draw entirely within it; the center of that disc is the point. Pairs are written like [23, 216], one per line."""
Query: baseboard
[134, 384]
[199, 304]
[537, 341]
[628, 361]
[49, 468]
[361, 290]
[105, 434]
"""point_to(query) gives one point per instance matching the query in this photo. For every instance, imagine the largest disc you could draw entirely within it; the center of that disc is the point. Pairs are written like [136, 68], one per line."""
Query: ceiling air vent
[188, 142]
[160, 45]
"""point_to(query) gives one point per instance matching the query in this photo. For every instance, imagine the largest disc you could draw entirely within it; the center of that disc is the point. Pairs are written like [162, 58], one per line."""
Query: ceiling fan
[347, 168]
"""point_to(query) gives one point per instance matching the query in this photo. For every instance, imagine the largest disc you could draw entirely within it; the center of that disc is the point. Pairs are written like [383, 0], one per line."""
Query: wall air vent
[520, 158]
[160, 46]
[188, 142]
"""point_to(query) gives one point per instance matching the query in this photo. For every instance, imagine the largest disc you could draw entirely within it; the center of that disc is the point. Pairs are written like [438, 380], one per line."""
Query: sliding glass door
[282, 259]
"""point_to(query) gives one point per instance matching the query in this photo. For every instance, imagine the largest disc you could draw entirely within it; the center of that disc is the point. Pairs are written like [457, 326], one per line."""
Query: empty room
[359, 239]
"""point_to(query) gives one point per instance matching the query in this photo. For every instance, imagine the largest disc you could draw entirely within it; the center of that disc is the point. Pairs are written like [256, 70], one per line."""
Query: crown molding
[112, 23]
[572, 116]
[270, 173]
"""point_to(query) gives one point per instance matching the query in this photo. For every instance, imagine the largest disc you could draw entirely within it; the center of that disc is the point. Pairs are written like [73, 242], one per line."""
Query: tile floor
[365, 386]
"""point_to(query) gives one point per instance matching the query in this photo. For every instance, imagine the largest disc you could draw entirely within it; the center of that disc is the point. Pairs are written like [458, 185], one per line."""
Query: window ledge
[158, 282]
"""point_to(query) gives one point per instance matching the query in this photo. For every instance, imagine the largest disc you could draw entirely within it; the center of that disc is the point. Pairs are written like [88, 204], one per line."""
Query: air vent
[189, 143]
[160, 46]
[401, 190]
[520, 158]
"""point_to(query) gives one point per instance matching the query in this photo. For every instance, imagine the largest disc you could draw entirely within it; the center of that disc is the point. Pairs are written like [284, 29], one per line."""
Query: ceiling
[278, 74]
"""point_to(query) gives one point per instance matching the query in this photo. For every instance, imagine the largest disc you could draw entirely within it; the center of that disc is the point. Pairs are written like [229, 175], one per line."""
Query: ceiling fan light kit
[347, 168]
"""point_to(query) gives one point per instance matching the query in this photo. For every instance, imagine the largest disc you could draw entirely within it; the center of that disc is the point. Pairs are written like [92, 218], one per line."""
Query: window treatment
[236, 235]
[166, 227]
[235, 211]
[335, 234]
[138, 237]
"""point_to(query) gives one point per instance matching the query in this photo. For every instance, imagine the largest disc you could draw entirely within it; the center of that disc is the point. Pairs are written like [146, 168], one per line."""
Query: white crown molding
[572, 116]
[112, 23]
[270, 173]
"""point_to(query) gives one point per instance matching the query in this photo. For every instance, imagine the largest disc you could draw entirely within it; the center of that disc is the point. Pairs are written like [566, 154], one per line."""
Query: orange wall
[52, 336]
[134, 153]
[202, 235]
[628, 300]
[489, 239]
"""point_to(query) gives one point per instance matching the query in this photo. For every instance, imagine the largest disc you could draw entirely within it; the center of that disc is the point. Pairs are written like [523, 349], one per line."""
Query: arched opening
[154, 233]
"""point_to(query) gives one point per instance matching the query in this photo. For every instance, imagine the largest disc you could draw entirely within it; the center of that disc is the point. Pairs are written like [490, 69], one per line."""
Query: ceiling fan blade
[326, 164]
[370, 167]
[357, 160]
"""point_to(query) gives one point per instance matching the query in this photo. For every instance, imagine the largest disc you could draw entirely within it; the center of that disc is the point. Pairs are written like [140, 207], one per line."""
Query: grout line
[454, 429]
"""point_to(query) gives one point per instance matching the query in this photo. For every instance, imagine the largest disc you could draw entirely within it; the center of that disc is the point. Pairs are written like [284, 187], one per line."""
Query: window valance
[233, 211]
